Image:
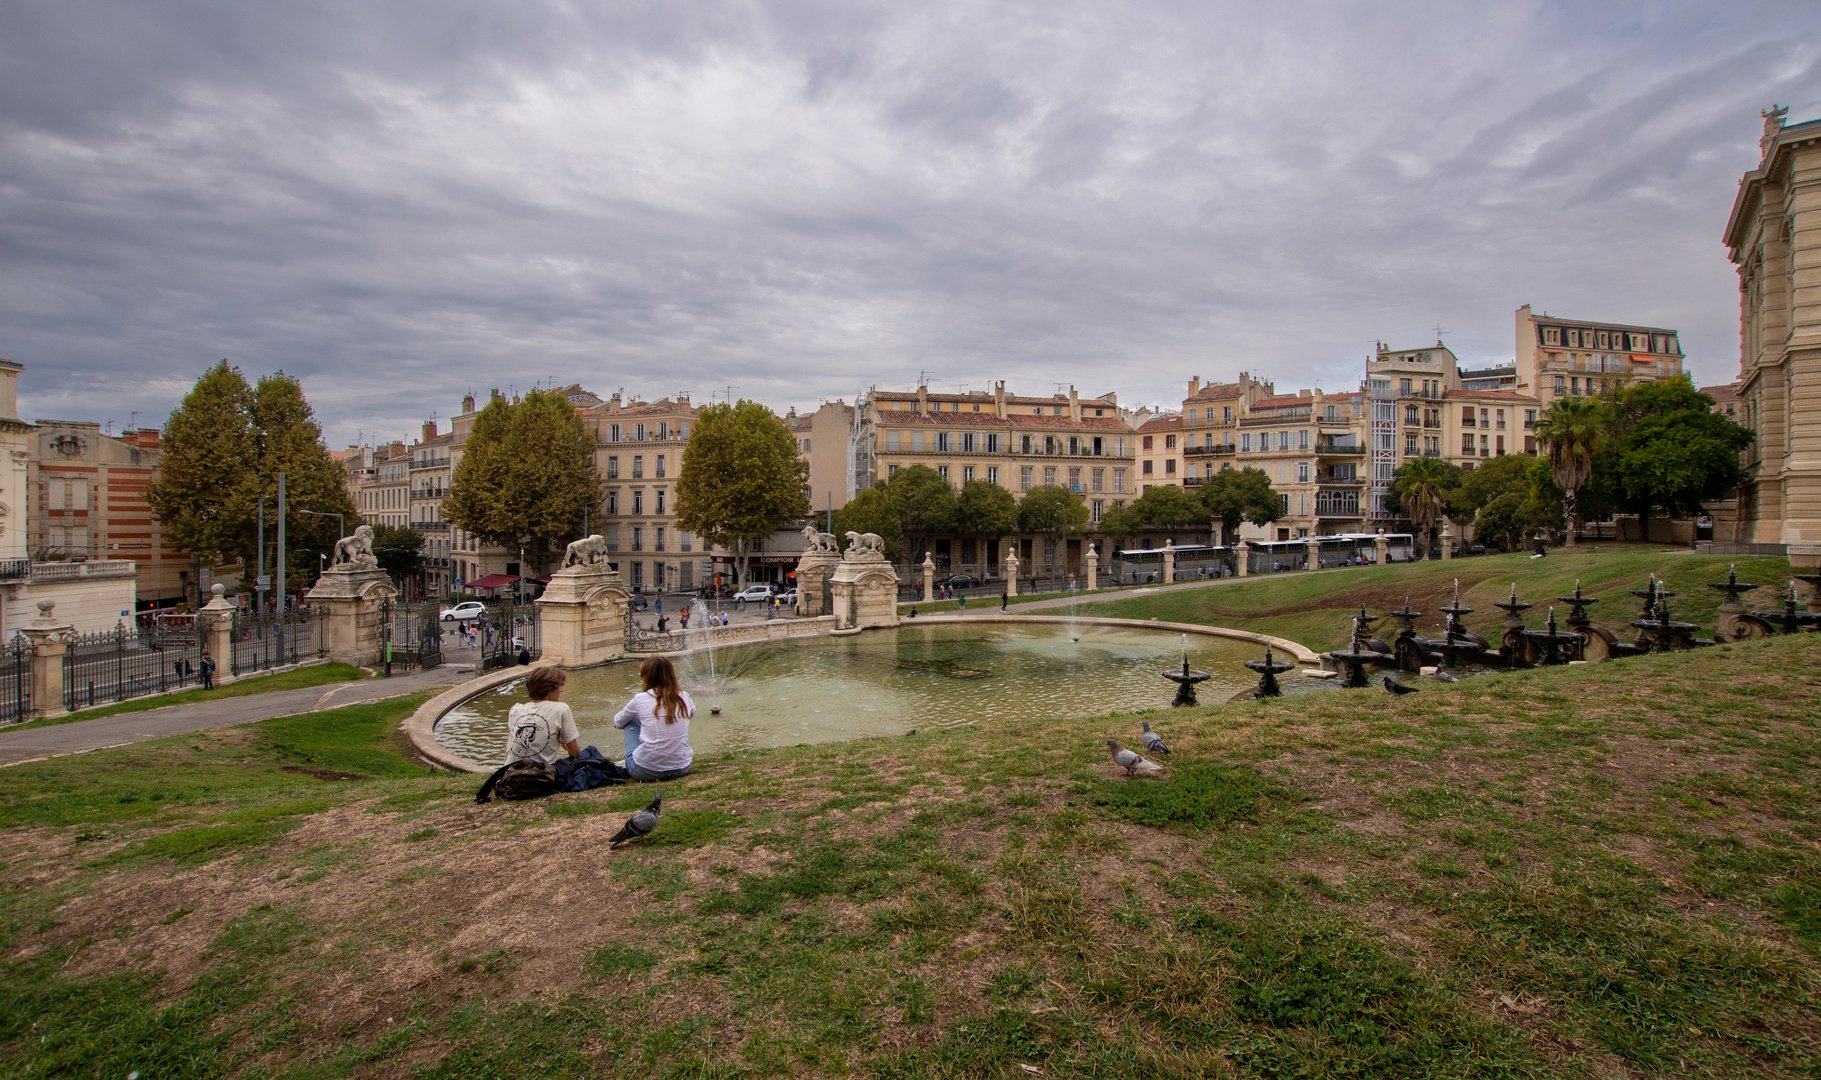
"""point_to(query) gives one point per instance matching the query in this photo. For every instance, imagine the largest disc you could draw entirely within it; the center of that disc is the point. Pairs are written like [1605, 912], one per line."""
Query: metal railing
[272, 639]
[119, 664]
[16, 681]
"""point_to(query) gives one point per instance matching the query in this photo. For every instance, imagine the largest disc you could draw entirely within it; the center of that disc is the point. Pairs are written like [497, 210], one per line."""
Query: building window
[1530, 444]
[1302, 472]
[1074, 479]
[685, 542]
[658, 537]
[992, 474]
[1283, 440]
[1169, 466]
[992, 444]
[1403, 387]
[660, 469]
[1099, 508]
[1467, 417]
[1553, 336]
[1024, 444]
[1561, 385]
[1410, 415]
[891, 471]
[1049, 474]
[1226, 413]
[1119, 480]
[967, 474]
[613, 502]
[1145, 467]
[1500, 448]
[638, 568]
[1467, 442]
[1409, 445]
[916, 440]
[891, 440]
[1099, 478]
[1501, 417]
[1024, 477]
[970, 441]
[638, 539]
[943, 470]
[613, 433]
[638, 466]
[638, 432]
[613, 468]
[1169, 442]
[660, 508]
[1302, 439]
[945, 442]
[1245, 442]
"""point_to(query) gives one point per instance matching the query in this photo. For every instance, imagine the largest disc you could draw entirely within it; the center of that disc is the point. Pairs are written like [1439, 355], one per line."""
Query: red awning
[492, 581]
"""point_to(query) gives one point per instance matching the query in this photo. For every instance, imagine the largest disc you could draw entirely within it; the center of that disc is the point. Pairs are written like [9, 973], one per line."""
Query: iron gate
[509, 632]
[411, 634]
[16, 681]
[264, 640]
[118, 664]
[649, 638]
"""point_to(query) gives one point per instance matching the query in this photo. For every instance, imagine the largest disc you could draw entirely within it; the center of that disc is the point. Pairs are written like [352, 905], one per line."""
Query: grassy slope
[1313, 608]
[296, 678]
[1595, 871]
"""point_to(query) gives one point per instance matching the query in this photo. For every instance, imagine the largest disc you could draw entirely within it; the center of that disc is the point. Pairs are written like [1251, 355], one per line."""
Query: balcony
[429, 526]
[1339, 449]
[1217, 450]
[15, 569]
[439, 463]
[1194, 481]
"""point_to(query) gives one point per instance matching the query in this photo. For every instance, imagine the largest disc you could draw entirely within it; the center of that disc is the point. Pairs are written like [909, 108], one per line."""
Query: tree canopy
[400, 551]
[741, 479]
[1052, 508]
[1165, 508]
[223, 448]
[1571, 432]
[1667, 450]
[871, 511]
[925, 505]
[1235, 495]
[983, 508]
[1421, 486]
[526, 472]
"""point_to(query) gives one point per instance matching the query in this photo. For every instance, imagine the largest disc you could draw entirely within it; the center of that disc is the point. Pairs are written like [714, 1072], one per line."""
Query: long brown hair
[658, 676]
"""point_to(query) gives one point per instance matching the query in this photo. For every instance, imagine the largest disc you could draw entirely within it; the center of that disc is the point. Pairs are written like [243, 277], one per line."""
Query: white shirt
[662, 747]
[537, 730]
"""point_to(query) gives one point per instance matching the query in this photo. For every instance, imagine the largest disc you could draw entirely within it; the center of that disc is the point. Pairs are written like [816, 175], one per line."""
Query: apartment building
[822, 441]
[1210, 423]
[1312, 445]
[383, 494]
[1559, 358]
[87, 500]
[430, 468]
[638, 456]
[1085, 444]
[1773, 237]
[1160, 459]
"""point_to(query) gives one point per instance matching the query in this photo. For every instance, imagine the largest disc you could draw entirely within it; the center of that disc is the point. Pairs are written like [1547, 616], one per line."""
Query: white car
[754, 594]
[788, 598]
[464, 612]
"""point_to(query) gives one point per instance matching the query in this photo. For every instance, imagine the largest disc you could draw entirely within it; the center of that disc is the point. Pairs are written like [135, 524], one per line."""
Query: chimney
[495, 395]
[467, 404]
[999, 399]
[613, 403]
[1194, 385]
[1074, 404]
[922, 398]
[1304, 393]
[429, 430]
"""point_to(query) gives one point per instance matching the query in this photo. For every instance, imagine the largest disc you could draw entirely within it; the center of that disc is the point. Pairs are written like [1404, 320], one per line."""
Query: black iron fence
[266, 640]
[507, 633]
[412, 634]
[16, 681]
[123, 663]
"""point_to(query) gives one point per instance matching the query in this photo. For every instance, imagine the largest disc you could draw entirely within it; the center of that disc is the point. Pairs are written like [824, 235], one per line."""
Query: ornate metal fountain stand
[1730, 628]
[1456, 640]
[1514, 637]
[1577, 618]
[1268, 670]
[1185, 681]
[1406, 647]
[1660, 632]
[1356, 656]
[1552, 641]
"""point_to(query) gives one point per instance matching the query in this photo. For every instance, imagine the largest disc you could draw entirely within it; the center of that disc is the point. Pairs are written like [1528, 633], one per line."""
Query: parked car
[754, 593]
[466, 611]
[958, 581]
[788, 598]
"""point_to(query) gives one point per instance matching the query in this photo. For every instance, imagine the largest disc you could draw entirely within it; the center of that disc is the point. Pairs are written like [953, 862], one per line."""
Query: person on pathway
[658, 605]
[1005, 597]
[961, 598]
[913, 613]
[536, 730]
[656, 722]
[208, 670]
[683, 616]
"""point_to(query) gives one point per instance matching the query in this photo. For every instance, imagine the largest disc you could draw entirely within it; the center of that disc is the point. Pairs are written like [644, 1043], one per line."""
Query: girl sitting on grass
[656, 722]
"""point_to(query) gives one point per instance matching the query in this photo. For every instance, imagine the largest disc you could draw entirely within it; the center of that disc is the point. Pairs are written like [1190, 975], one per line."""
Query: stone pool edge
[420, 726]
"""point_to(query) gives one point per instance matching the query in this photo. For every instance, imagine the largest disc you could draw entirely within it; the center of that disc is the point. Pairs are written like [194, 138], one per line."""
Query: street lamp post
[341, 527]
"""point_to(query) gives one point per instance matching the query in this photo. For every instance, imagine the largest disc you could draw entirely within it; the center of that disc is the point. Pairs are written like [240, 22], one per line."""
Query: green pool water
[885, 682]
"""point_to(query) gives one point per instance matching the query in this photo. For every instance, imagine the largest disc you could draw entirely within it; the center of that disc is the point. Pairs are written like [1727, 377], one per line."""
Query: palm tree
[1419, 485]
[1571, 432]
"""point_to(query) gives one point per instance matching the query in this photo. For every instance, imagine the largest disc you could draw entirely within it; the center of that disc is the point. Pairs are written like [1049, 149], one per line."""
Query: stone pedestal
[1314, 553]
[216, 622]
[49, 640]
[350, 600]
[1093, 561]
[929, 577]
[1447, 540]
[1381, 547]
[583, 612]
[1169, 561]
[1244, 551]
[813, 570]
[866, 591]
[1011, 573]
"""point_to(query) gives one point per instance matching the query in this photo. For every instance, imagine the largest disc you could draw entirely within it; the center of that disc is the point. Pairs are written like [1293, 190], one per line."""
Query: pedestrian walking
[658, 605]
[961, 598]
[1005, 597]
[208, 671]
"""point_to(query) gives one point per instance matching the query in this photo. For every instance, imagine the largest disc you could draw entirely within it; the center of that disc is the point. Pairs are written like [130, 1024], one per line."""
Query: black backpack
[519, 780]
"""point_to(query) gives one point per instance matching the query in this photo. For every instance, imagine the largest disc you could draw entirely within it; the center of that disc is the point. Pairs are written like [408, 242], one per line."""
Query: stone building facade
[429, 470]
[1559, 358]
[638, 456]
[822, 441]
[88, 501]
[1773, 237]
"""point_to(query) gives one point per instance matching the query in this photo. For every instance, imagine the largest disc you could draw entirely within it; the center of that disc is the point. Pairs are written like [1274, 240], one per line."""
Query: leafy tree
[1235, 495]
[741, 479]
[525, 475]
[1053, 510]
[1165, 508]
[223, 449]
[985, 510]
[1668, 450]
[871, 511]
[925, 505]
[1121, 521]
[400, 551]
[1571, 432]
[1497, 498]
[1421, 486]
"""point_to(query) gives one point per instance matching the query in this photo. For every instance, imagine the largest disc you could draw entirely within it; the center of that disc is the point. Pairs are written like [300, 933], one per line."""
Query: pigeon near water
[1443, 676]
[639, 824]
[1129, 760]
[1152, 741]
[1398, 687]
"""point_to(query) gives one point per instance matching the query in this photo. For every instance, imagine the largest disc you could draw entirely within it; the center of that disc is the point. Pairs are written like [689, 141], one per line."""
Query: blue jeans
[646, 775]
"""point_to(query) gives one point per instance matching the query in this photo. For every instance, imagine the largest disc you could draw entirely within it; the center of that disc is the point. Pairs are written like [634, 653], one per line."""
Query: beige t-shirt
[537, 730]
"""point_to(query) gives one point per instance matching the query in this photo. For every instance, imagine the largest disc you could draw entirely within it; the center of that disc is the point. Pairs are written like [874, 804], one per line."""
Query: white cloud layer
[402, 202]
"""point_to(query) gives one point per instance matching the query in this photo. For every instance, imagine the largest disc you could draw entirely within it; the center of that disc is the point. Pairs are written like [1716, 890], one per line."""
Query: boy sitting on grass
[537, 729]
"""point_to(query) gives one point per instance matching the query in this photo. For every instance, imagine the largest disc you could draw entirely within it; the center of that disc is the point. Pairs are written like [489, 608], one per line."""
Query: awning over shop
[492, 581]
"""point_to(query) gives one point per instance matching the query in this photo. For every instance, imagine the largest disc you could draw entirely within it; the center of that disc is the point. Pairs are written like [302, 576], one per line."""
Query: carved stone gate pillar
[49, 639]
[350, 599]
[583, 612]
[1011, 572]
[216, 623]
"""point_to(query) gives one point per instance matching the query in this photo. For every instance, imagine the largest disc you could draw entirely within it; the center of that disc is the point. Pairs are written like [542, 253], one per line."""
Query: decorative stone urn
[1011, 573]
[350, 592]
[1169, 561]
[865, 586]
[813, 571]
[1093, 561]
[583, 609]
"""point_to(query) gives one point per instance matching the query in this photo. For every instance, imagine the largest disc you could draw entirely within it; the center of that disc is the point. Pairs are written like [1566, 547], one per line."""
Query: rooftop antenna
[923, 377]
[110, 428]
[133, 423]
[1438, 333]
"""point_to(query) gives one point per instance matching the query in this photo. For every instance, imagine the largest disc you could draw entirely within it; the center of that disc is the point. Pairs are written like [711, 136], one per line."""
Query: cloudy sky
[405, 201]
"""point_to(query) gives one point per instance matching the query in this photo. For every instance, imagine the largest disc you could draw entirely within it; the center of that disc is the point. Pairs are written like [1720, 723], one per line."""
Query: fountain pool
[882, 682]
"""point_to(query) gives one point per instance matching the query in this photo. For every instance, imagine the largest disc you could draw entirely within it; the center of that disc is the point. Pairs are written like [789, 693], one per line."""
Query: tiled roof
[1172, 420]
[1282, 401]
[987, 399]
[635, 410]
[987, 419]
[1490, 395]
[1217, 390]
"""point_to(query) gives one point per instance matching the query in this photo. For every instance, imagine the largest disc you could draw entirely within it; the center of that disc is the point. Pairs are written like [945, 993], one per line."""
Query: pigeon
[1443, 676]
[1153, 741]
[1129, 760]
[639, 824]
[1397, 687]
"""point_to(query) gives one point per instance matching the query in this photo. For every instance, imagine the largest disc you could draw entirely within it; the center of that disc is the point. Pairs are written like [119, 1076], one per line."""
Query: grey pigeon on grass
[1443, 676]
[1396, 688]
[1130, 760]
[1152, 741]
[639, 824]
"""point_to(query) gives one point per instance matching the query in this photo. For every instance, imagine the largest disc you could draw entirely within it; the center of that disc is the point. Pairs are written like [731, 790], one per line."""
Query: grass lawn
[1604, 870]
[296, 678]
[1312, 608]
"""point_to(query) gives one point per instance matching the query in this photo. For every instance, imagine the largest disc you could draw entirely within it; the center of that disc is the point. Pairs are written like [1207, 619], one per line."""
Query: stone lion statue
[865, 547]
[588, 551]
[356, 552]
[820, 541]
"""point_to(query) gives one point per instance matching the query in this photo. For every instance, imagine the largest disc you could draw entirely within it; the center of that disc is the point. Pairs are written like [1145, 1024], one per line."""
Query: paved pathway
[81, 735]
[989, 605]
